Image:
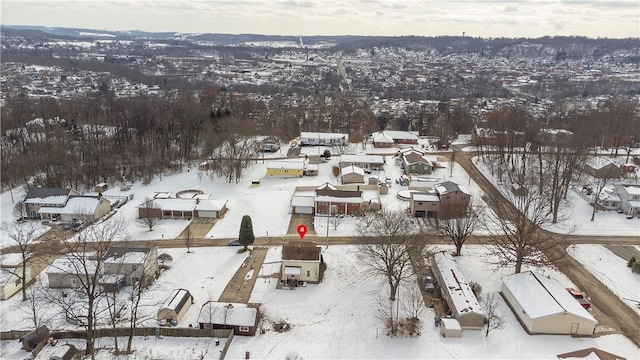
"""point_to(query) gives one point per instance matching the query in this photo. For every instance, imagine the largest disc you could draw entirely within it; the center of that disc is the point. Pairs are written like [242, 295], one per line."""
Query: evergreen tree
[631, 261]
[246, 236]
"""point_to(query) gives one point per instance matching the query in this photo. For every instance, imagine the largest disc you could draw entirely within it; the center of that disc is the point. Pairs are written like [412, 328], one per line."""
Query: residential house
[367, 162]
[424, 205]
[389, 138]
[324, 139]
[286, 168]
[454, 199]
[554, 136]
[462, 302]
[352, 175]
[544, 306]
[629, 198]
[242, 318]
[11, 277]
[602, 168]
[170, 206]
[270, 144]
[175, 306]
[381, 140]
[301, 263]
[129, 266]
[72, 270]
[329, 200]
[414, 163]
[64, 205]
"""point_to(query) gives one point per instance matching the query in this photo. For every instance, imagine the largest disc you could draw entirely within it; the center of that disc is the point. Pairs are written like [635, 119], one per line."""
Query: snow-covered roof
[70, 264]
[291, 165]
[463, 298]
[176, 299]
[211, 205]
[598, 162]
[326, 186]
[362, 159]
[129, 257]
[352, 169]
[556, 131]
[55, 199]
[302, 201]
[381, 137]
[631, 189]
[318, 135]
[541, 296]
[111, 278]
[81, 205]
[425, 197]
[292, 270]
[180, 204]
[430, 158]
[400, 135]
[335, 199]
[449, 187]
[313, 167]
[451, 324]
[236, 314]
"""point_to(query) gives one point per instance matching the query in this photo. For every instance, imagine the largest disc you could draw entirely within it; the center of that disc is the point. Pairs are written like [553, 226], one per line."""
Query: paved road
[609, 309]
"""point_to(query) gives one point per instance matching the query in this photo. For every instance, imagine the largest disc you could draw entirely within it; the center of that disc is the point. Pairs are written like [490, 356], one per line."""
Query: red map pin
[302, 230]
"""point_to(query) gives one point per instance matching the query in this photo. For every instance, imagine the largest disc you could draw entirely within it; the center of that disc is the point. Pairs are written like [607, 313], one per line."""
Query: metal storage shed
[544, 306]
[175, 306]
[450, 328]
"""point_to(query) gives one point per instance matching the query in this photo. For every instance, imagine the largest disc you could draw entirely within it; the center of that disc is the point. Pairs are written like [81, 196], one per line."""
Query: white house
[629, 198]
[544, 306]
[327, 139]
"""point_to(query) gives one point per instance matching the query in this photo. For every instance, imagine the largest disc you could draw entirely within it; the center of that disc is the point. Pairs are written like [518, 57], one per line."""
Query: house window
[243, 329]
[308, 273]
[420, 203]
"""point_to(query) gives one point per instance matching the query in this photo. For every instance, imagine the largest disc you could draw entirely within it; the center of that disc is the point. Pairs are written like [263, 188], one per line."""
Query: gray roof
[46, 192]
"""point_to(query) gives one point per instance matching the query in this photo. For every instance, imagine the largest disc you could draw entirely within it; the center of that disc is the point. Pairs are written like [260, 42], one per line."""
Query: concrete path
[240, 286]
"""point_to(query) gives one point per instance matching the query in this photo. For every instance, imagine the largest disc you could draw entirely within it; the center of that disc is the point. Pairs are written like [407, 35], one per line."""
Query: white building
[326, 139]
[544, 306]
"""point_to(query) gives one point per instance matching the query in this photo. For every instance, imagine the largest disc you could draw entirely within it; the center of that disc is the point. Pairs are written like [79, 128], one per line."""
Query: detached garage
[176, 305]
[543, 305]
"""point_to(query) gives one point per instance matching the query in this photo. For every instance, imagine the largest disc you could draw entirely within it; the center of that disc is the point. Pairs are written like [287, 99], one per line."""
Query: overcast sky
[479, 18]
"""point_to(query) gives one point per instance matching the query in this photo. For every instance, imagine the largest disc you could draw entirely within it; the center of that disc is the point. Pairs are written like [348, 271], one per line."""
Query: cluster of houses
[541, 304]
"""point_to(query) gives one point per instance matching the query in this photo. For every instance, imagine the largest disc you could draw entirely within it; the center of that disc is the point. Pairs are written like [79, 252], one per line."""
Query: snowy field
[611, 270]
[336, 319]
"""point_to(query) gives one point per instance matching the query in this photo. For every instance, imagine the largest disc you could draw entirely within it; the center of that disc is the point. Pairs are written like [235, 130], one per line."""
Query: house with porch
[286, 168]
[65, 205]
[367, 162]
[323, 139]
[329, 200]
[167, 205]
[301, 263]
[415, 163]
[390, 138]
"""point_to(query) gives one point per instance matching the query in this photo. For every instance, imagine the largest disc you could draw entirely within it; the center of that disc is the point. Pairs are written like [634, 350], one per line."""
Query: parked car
[427, 283]
[122, 201]
[579, 295]
[235, 242]
[68, 226]
[22, 219]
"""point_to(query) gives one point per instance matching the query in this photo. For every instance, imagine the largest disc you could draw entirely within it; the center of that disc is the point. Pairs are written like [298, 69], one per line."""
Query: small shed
[450, 328]
[175, 306]
[102, 187]
[32, 339]
[373, 180]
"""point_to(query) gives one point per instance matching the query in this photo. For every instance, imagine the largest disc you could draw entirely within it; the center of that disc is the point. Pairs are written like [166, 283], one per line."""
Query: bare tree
[600, 183]
[24, 236]
[35, 307]
[385, 313]
[459, 229]
[335, 221]
[149, 214]
[412, 307]
[493, 318]
[514, 230]
[390, 238]
[85, 255]
[19, 210]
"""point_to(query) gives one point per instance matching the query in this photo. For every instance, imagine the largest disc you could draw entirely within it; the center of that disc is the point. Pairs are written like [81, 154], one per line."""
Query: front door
[574, 328]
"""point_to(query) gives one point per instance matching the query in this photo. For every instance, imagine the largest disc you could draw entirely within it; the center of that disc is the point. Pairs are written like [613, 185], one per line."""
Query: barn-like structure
[544, 306]
[175, 306]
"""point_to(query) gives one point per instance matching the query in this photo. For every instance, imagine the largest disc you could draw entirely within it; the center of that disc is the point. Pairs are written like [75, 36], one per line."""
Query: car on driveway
[427, 283]
[579, 296]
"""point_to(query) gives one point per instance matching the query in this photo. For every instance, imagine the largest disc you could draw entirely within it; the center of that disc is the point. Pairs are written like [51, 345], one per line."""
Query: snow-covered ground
[334, 319]
[576, 214]
[611, 270]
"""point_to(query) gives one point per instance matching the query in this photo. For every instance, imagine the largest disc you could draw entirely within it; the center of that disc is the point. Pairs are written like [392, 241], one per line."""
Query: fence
[122, 332]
